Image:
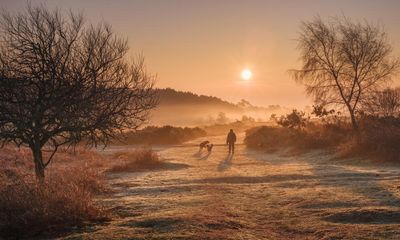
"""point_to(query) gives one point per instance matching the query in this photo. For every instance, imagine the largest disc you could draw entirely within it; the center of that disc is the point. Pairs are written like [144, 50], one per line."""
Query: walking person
[230, 141]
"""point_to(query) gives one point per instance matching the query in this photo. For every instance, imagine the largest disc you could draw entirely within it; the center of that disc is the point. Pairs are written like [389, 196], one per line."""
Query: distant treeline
[169, 96]
[162, 135]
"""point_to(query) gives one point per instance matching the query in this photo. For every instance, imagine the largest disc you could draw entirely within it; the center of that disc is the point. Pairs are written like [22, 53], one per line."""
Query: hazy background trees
[384, 103]
[62, 82]
[343, 62]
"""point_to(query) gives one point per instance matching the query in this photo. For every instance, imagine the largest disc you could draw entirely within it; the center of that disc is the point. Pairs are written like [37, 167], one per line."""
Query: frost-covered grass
[255, 195]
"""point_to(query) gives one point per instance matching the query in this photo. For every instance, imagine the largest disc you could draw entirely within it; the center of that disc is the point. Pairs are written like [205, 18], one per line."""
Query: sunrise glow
[246, 74]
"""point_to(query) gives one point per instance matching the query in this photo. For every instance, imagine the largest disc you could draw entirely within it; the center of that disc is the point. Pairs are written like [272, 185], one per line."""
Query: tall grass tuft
[139, 160]
[66, 197]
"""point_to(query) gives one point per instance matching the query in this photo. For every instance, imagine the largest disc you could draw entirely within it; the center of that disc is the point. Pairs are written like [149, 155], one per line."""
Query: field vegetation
[377, 136]
[69, 195]
[161, 135]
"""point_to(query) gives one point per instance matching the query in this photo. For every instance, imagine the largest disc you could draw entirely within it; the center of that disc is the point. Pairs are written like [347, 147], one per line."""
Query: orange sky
[202, 46]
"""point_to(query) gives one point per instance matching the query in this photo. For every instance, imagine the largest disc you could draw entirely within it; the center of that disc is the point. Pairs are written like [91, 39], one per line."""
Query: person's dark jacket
[231, 138]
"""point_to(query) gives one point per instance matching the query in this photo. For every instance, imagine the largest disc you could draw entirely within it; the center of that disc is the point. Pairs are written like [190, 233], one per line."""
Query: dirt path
[253, 195]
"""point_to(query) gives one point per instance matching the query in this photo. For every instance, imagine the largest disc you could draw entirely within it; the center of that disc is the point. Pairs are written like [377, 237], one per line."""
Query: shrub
[269, 138]
[65, 198]
[328, 117]
[139, 160]
[377, 138]
[163, 135]
[314, 136]
[295, 119]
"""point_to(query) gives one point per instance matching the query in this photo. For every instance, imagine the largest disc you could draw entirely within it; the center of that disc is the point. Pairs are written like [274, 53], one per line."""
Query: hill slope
[189, 109]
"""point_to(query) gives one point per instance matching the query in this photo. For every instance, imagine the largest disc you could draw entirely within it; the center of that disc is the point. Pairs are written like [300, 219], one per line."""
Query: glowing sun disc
[246, 74]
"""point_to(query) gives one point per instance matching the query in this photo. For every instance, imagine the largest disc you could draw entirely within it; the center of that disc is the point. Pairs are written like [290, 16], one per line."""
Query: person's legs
[231, 147]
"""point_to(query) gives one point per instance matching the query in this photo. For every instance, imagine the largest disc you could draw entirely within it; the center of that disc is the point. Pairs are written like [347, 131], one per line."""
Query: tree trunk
[352, 116]
[354, 120]
[38, 159]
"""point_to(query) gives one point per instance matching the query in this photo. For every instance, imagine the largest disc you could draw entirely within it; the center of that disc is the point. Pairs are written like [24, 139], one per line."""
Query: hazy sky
[202, 46]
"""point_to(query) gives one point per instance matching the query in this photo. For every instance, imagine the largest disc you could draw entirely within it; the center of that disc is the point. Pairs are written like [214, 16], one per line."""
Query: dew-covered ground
[252, 195]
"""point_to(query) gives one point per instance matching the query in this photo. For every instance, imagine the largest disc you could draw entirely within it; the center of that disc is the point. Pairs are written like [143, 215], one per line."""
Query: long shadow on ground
[226, 163]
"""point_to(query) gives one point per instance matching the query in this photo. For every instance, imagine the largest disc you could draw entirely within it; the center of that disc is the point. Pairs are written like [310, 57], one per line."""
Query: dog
[209, 147]
[203, 145]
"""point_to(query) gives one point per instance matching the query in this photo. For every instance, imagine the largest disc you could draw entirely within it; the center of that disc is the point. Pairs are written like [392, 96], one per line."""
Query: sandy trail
[252, 195]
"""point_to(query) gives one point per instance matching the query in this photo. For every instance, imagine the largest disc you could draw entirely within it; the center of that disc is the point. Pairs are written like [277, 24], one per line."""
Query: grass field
[252, 195]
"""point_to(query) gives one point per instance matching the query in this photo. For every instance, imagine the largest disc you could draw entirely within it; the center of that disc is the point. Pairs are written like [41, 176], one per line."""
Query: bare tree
[62, 82]
[343, 62]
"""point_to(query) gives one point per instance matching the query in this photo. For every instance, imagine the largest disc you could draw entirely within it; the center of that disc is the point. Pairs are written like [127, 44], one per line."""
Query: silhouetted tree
[296, 119]
[343, 62]
[62, 82]
[248, 119]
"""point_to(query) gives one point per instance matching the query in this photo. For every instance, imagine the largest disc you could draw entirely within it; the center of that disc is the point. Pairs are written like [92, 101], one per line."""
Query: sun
[246, 74]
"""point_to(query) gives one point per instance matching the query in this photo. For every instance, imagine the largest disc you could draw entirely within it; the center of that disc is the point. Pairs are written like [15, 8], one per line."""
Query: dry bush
[377, 138]
[313, 136]
[295, 119]
[15, 161]
[139, 160]
[65, 198]
[162, 135]
[269, 138]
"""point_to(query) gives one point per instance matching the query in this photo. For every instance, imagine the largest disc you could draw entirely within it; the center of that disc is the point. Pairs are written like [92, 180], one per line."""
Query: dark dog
[203, 145]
